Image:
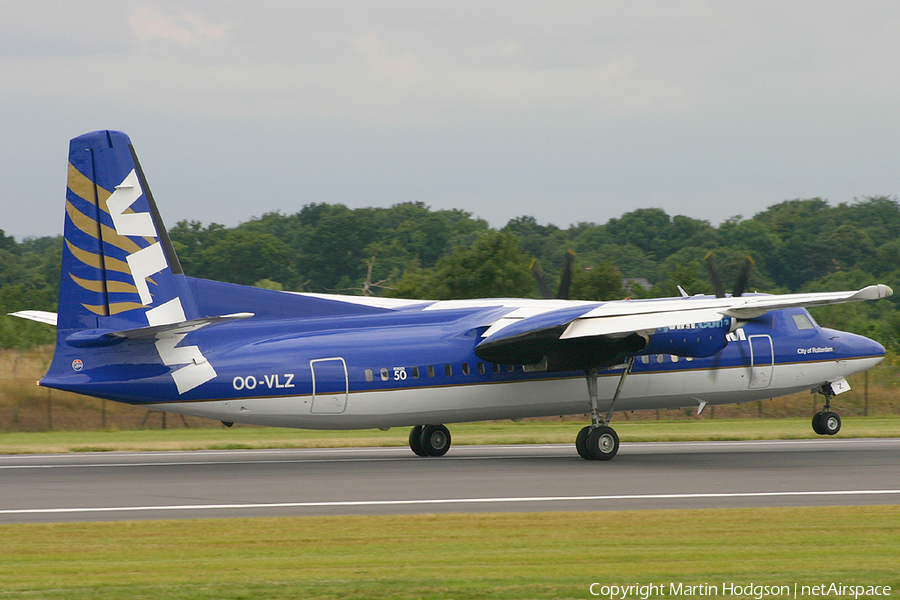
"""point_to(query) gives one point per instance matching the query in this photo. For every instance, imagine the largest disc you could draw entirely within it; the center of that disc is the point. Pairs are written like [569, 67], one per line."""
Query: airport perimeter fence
[24, 406]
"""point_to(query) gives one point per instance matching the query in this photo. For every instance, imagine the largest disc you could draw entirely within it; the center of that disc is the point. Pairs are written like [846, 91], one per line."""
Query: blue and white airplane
[132, 327]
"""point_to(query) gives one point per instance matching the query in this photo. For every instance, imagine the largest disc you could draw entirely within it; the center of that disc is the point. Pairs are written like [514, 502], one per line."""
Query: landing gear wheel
[435, 440]
[415, 440]
[602, 443]
[830, 423]
[826, 423]
[581, 443]
[817, 423]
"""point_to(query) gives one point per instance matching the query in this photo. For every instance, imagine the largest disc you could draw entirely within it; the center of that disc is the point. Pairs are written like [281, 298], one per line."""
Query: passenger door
[762, 361]
[330, 386]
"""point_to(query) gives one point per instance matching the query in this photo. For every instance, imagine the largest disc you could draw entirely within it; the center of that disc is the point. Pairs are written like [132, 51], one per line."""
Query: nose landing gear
[826, 422]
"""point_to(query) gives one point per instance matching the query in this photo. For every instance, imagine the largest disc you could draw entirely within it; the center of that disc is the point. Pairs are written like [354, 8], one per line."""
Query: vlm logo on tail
[120, 273]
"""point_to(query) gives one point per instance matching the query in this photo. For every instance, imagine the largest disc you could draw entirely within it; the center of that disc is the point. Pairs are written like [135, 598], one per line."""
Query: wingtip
[874, 292]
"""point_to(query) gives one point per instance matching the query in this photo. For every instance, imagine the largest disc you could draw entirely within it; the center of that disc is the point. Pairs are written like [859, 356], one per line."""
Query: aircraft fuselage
[417, 366]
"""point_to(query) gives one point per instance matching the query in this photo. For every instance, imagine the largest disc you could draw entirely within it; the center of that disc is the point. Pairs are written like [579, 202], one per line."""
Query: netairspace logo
[751, 590]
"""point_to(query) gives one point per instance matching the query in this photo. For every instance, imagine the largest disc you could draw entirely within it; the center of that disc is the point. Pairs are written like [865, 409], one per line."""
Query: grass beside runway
[498, 556]
[540, 431]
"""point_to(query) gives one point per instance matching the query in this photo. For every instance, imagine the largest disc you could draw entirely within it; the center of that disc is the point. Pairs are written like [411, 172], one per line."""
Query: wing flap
[626, 324]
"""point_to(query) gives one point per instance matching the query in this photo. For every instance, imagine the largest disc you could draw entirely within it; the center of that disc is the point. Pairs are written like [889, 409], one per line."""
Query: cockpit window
[803, 322]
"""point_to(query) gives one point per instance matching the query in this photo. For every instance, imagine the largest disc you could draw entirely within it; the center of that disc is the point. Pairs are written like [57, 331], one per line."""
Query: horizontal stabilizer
[105, 337]
[41, 316]
[183, 327]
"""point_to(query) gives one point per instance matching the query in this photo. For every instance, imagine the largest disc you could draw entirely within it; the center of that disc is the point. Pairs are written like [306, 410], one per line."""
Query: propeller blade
[535, 267]
[714, 275]
[742, 281]
[565, 281]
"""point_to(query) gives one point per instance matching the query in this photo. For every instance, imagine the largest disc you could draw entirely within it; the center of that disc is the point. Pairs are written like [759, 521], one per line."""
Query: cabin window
[369, 375]
[645, 359]
[802, 322]
[465, 368]
[430, 370]
[674, 358]
[510, 368]
[448, 370]
[660, 358]
[495, 368]
[414, 372]
[481, 368]
[384, 374]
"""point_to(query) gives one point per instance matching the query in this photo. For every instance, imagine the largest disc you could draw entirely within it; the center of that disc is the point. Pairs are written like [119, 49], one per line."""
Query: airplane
[133, 328]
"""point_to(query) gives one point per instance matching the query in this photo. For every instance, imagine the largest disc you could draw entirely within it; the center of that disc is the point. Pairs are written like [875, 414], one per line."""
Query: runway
[366, 481]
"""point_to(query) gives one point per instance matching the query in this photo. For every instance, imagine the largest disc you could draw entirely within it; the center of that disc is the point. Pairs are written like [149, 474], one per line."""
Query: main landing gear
[599, 441]
[826, 422]
[429, 440]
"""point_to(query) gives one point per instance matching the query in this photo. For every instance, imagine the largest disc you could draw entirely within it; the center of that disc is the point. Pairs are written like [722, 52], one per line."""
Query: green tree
[493, 266]
[190, 240]
[646, 228]
[601, 282]
[245, 257]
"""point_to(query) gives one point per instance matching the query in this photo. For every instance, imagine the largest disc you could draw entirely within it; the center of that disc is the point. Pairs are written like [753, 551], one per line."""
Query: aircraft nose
[875, 348]
[858, 346]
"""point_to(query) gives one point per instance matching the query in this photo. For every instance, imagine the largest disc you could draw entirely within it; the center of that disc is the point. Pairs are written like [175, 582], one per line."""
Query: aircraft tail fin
[119, 269]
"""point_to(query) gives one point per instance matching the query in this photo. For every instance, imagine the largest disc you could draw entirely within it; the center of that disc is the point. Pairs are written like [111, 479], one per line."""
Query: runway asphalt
[527, 478]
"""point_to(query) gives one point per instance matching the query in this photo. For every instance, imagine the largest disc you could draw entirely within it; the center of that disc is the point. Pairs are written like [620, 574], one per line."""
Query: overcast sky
[565, 111]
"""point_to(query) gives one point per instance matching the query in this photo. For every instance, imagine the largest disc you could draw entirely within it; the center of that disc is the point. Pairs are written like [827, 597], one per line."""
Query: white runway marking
[440, 501]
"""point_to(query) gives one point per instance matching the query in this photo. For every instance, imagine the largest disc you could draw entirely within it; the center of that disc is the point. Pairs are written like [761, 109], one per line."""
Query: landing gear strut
[599, 441]
[429, 440]
[826, 422]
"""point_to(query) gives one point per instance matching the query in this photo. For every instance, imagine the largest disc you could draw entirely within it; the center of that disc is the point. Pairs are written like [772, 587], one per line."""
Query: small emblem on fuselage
[77, 365]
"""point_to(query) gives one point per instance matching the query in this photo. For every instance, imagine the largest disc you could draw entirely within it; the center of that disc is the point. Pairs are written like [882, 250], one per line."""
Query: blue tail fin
[121, 285]
[119, 270]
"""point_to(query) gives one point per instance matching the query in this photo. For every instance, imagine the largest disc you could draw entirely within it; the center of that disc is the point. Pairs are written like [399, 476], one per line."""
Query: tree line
[411, 251]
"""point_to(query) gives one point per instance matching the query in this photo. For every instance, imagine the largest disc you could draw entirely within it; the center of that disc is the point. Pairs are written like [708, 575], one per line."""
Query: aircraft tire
[817, 423]
[581, 443]
[830, 423]
[602, 443]
[415, 441]
[435, 440]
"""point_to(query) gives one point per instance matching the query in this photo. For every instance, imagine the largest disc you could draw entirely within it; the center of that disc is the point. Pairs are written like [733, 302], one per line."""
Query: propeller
[739, 287]
[718, 288]
[565, 281]
[744, 278]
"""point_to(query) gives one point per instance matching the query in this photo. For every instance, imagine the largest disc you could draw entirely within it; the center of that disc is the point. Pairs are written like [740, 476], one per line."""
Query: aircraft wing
[626, 317]
[586, 336]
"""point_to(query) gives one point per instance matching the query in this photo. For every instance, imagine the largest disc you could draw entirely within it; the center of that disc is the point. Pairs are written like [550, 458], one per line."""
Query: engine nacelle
[697, 340]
